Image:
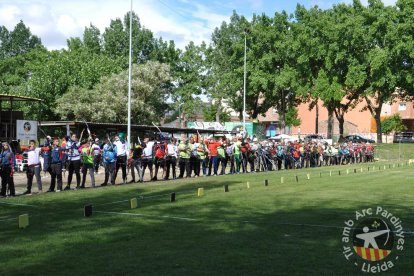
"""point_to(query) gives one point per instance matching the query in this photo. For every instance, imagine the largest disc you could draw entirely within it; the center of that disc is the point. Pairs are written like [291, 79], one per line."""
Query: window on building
[402, 107]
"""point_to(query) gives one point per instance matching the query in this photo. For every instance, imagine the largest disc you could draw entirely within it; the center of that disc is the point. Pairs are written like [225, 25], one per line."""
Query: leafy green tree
[92, 39]
[382, 65]
[189, 80]
[210, 113]
[392, 123]
[107, 101]
[18, 41]
[292, 118]
[63, 69]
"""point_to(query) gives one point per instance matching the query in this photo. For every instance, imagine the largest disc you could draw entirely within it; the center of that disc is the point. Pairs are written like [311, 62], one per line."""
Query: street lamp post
[246, 31]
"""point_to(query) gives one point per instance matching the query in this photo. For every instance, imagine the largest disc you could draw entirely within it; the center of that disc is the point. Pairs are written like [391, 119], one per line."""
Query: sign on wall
[26, 130]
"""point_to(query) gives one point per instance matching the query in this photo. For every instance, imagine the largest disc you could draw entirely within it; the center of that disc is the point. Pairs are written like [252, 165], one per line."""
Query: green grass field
[290, 228]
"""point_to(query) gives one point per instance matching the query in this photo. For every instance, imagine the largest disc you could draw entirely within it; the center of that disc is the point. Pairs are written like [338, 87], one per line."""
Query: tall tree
[106, 102]
[383, 69]
[92, 39]
[190, 80]
[18, 41]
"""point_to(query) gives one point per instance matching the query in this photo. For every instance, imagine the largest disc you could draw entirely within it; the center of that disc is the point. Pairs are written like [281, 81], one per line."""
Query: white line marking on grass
[111, 202]
[229, 221]
[146, 215]
[17, 204]
[8, 219]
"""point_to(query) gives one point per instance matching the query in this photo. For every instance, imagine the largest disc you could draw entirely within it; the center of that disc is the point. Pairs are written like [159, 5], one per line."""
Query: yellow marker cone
[23, 221]
[200, 192]
[134, 203]
[330, 173]
[282, 180]
[308, 176]
[347, 171]
[248, 185]
[362, 170]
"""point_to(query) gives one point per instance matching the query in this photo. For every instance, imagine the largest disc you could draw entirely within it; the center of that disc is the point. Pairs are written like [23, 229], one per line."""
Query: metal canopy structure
[123, 127]
[9, 127]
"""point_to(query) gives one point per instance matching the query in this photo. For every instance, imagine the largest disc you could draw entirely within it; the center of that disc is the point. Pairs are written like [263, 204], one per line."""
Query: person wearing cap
[7, 164]
[96, 152]
[121, 159]
[33, 167]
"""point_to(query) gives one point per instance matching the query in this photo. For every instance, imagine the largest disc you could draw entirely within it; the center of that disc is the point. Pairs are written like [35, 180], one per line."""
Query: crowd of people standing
[190, 157]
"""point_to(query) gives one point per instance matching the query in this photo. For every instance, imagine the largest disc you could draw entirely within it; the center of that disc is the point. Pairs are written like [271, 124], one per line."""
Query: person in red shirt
[213, 144]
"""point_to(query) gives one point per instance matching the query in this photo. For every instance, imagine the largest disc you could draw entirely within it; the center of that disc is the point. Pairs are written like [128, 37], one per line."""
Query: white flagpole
[129, 79]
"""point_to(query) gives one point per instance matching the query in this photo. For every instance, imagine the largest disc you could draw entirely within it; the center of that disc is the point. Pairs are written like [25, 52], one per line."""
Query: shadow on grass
[251, 232]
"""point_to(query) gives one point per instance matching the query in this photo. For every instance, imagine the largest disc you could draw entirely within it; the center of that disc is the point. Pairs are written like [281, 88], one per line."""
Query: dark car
[312, 137]
[357, 139]
[404, 137]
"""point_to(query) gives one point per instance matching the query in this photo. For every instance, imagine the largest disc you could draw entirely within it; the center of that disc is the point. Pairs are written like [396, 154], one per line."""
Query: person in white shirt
[97, 156]
[122, 157]
[72, 148]
[147, 156]
[171, 158]
[33, 167]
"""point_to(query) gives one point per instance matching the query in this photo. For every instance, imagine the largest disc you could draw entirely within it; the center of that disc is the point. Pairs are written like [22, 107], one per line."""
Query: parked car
[357, 139]
[403, 137]
[313, 137]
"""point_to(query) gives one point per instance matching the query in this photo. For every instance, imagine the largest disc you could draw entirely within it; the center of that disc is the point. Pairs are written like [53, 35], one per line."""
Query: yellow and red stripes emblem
[371, 254]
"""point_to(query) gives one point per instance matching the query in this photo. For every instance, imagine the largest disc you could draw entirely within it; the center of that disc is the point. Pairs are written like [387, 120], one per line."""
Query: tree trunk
[341, 121]
[377, 118]
[183, 120]
[317, 119]
[282, 121]
[329, 133]
[218, 113]
[375, 110]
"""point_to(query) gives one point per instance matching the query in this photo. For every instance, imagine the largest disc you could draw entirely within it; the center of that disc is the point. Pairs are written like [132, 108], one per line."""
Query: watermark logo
[373, 240]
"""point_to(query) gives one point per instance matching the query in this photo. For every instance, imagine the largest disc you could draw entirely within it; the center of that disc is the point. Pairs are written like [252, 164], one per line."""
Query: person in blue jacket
[109, 156]
[7, 168]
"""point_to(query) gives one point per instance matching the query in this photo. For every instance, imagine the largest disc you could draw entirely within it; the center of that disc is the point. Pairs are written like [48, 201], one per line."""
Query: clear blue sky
[180, 20]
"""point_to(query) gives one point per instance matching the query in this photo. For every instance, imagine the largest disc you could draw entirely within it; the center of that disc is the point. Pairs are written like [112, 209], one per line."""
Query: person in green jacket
[238, 154]
[184, 150]
[87, 160]
[221, 155]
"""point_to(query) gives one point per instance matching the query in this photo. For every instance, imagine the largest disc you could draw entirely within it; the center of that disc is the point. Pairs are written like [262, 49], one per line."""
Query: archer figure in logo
[369, 237]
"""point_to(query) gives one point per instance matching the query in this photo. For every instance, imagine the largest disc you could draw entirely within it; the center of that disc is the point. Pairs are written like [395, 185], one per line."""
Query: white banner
[26, 130]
